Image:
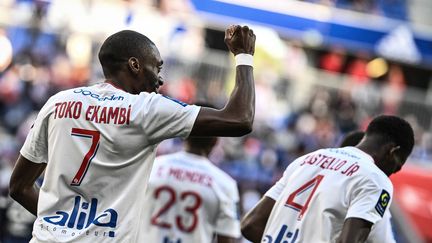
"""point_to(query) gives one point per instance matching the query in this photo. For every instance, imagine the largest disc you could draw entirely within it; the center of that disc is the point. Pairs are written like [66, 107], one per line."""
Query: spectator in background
[357, 69]
[333, 61]
[393, 90]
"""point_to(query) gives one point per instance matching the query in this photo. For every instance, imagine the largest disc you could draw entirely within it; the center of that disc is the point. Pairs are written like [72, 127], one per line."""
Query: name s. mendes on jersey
[331, 163]
[93, 113]
[181, 174]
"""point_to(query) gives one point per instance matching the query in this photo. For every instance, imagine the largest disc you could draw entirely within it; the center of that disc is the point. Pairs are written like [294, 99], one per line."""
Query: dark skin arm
[225, 239]
[254, 222]
[22, 187]
[236, 118]
[355, 230]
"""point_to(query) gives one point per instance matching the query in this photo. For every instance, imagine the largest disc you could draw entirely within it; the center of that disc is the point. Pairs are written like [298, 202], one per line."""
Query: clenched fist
[240, 39]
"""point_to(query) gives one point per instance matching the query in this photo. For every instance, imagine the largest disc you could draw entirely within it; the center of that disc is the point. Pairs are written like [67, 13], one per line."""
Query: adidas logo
[399, 45]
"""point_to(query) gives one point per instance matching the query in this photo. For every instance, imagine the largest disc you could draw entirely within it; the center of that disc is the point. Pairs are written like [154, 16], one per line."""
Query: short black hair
[352, 138]
[393, 129]
[119, 47]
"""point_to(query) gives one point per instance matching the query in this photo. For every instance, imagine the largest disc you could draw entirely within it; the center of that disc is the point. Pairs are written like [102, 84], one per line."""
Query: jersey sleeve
[35, 147]
[276, 190]
[371, 198]
[164, 118]
[382, 231]
[228, 220]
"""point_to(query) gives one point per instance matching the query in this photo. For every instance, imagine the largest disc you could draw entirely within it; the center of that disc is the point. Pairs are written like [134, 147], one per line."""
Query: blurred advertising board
[413, 193]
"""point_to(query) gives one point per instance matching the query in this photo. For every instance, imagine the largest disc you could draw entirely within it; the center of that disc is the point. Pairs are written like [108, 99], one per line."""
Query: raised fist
[240, 39]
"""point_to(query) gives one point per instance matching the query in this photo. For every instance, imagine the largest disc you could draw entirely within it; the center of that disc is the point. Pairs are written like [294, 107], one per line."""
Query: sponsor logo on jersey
[283, 236]
[83, 215]
[383, 202]
[166, 239]
[97, 96]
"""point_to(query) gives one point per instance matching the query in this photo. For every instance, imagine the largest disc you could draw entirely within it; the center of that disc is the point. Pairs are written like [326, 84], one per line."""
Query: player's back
[189, 200]
[320, 190]
[101, 144]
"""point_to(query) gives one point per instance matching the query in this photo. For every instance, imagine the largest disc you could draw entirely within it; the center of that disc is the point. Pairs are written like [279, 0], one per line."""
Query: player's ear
[134, 65]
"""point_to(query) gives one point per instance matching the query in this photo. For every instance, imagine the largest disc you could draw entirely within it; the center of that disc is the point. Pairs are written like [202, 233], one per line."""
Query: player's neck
[115, 83]
[121, 82]
[370, 147]
[200, 152]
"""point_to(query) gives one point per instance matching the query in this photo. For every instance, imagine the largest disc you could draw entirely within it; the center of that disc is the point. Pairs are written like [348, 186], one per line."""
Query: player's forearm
[252, 233]
[241, 105]
[27, 197]
[355, 230]
[226, 239]
[358, 238]
[253, 224]
[22, 183]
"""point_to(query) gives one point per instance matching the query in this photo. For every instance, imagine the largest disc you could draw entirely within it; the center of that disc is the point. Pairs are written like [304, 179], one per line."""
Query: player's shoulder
[156, 98]
[205, 166]
[369, 173]
[300, 159]
[220, 176]
[73, 92]
[62, 94]
[378, 177]
[166, 158]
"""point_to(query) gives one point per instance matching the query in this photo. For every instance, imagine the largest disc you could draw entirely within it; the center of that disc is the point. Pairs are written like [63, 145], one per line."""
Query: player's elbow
[245, 125]
[245, 128]
[15, 190]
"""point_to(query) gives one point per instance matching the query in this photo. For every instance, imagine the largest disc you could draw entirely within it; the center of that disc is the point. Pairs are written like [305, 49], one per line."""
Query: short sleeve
[371, 198]
[382, 231]
[35, 147]
[164, 118]
[276, 190]
[228, 220]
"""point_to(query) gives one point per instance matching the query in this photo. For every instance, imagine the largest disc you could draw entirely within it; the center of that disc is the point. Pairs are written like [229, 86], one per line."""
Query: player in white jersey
[189, 199]
[97, 144]
[336, 194]
[382, 230]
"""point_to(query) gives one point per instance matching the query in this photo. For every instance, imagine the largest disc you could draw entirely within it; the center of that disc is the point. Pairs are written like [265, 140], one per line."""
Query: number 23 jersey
[189, 200]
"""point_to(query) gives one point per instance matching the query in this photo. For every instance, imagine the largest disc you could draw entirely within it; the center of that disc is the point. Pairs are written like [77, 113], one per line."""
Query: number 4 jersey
[320, 190]
[99, 144]
[189, 200]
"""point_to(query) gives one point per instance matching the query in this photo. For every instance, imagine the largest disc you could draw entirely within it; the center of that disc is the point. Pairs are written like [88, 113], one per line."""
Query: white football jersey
[189, 200]
[320, 190]
[99, 143]
[382, 231]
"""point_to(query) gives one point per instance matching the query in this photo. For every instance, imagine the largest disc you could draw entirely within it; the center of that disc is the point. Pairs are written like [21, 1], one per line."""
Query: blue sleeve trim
[176, 101]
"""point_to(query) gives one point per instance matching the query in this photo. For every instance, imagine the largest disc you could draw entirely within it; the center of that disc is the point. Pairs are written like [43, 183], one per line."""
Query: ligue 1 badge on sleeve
[383, 202]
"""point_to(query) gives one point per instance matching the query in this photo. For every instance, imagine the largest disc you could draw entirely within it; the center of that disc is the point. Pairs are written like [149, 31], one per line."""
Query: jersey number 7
[309, 187]
[95, 136]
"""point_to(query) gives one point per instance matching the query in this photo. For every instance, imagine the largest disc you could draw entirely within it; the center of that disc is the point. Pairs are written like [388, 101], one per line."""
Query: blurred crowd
[304, 101]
